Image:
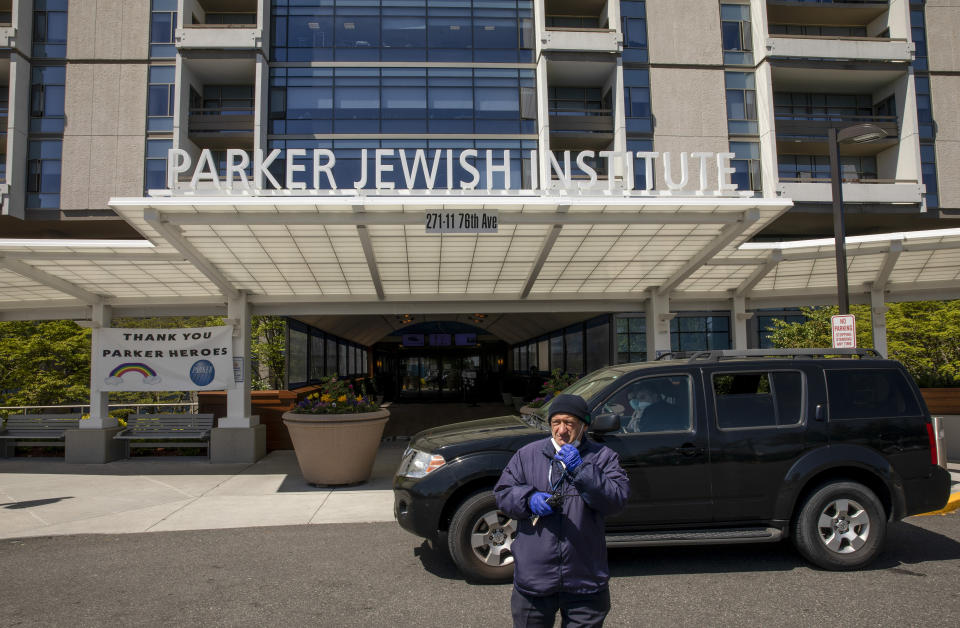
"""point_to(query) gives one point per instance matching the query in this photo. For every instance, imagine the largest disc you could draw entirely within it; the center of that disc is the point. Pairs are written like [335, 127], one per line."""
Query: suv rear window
[870, 394]
[758, 398]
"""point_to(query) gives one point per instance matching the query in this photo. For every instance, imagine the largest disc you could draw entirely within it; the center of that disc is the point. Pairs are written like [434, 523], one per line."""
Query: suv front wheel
[480, 537]
[840, 526]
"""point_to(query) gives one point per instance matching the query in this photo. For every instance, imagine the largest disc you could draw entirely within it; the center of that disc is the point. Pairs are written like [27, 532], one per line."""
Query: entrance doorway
[439, 376]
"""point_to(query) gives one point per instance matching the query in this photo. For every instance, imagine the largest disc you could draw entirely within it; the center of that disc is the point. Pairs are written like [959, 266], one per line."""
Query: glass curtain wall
[314, 98]
[47, 81]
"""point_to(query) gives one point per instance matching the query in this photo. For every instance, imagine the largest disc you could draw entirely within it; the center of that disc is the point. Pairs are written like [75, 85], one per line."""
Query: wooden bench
[36, 430]
[166, 430]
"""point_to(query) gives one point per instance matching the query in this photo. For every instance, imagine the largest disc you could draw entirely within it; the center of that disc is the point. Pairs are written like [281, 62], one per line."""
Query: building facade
[99, 92]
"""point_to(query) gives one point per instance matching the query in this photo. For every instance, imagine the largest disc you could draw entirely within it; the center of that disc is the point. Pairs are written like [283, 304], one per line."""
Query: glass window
[407, 30]
[298, 356]
[542, 360]
[633, 23]
[574, 342]
[331, 356]
[869, 394]
[736, 34]
[631, 338]
[316, 356]
[342, 365]
[155, 169]
[653, 404]
[46, 99]
[741, 103]
[161, 91]
[928, 165]
[758, 399]
[765, 326]
[43, 173]
[699, 333]
[163, 24]
[598, 346]
[746, 165]
[918, 33]
[636, 97]
[556, 352]
[50, 29]
[351, 360]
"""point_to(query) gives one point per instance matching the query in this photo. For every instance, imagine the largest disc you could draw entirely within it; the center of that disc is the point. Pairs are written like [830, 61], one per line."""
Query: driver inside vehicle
[644, 408]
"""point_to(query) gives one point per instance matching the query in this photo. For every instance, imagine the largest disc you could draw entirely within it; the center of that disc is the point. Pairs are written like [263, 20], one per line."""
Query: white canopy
[346, 255]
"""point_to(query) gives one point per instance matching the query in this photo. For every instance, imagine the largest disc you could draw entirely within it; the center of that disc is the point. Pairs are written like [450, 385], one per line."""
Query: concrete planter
[507, 399]
[945, 403]
[335, 449]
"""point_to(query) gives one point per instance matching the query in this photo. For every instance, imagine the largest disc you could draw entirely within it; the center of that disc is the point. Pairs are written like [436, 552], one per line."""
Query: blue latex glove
[539, 505]
[569, 456]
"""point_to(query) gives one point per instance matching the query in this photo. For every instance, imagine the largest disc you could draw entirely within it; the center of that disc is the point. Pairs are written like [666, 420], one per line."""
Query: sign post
[844, 331]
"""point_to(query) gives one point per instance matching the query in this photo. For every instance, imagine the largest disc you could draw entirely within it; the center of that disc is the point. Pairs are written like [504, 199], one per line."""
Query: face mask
[575, 443]
[638, 405]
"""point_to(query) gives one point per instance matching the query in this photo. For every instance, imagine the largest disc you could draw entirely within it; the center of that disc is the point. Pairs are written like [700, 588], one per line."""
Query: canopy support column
[238, 398]
[658, 324]
[878, 319]
[93, 443]
[239, 437]
[100, 418]
[738, 318]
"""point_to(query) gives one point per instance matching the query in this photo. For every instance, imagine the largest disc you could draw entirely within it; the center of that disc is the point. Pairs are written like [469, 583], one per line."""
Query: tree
[923, 335]
[268, 346]
[44, 363]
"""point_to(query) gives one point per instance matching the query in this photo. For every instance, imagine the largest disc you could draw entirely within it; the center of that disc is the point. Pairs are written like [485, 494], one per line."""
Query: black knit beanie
[570, 404]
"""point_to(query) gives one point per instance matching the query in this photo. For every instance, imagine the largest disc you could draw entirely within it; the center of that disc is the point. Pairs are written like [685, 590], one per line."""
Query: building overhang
[370, 254]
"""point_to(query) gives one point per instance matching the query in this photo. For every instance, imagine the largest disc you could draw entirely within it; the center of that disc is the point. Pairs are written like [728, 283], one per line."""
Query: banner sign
[198, 358]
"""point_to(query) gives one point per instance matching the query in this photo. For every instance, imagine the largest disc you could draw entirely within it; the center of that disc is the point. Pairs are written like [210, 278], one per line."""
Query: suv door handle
[690, 450]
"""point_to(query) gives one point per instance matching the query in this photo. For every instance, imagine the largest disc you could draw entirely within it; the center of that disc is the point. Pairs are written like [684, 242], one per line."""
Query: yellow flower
[325, 398]
[342, 398]
[314, 396]
[359, 399]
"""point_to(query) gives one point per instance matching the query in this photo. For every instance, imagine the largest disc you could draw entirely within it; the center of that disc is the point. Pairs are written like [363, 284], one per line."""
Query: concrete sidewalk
[43, 496]
[40, 497]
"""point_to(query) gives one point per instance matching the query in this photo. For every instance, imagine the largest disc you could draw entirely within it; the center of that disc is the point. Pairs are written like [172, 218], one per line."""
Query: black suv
[733, 447]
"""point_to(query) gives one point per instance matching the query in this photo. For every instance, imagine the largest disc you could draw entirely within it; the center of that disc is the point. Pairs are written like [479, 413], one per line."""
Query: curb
[952, 504]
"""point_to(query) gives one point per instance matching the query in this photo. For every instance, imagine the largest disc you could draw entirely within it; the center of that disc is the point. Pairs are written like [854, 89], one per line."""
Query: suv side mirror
[603, 423]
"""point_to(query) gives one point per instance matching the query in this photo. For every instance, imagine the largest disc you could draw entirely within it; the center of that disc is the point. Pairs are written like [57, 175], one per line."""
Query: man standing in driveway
[560, 554]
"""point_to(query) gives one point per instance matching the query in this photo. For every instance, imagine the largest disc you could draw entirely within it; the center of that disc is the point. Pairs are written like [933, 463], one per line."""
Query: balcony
[222, 127]
[581, 26]
[813, 127]
[827, 12]
[844, 48]
[217, 24]
[852, 31]
[817, 190]
[556, 39]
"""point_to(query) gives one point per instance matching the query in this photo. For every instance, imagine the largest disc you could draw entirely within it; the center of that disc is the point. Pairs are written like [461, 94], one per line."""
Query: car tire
[479, 539]
[840, 527]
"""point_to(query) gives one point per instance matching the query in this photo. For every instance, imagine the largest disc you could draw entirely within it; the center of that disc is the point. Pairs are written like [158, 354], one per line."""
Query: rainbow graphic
[116, 375]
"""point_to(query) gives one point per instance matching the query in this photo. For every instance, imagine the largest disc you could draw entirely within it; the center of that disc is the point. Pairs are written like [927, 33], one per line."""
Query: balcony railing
[242, 25]
[816, 125]
[222, 120]
[582, 120]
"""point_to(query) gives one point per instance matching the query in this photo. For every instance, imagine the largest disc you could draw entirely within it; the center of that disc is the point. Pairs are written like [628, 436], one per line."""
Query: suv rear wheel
[480, 537]
[840, 526]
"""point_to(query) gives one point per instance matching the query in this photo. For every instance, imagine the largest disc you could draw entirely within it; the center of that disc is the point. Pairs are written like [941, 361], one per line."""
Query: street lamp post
[856, 134]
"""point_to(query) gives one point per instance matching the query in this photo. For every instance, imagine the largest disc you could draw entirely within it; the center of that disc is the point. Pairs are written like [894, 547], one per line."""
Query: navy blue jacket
[564, 551]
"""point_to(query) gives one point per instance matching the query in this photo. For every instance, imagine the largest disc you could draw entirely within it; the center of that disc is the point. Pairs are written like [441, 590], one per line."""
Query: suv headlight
[417, 464]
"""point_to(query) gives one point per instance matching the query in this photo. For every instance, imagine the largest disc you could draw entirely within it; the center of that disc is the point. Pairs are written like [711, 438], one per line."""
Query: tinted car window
[758, 399]
[862, 394]
[653, 404]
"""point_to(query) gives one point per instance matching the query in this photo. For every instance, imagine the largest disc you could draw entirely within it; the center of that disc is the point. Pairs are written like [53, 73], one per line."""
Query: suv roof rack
[716, 356]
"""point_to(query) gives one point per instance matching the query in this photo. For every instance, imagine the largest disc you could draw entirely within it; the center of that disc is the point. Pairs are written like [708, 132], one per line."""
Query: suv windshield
[586, 387]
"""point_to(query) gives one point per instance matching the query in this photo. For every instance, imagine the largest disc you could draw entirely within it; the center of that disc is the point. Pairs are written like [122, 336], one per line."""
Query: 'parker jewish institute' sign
[164, 359]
